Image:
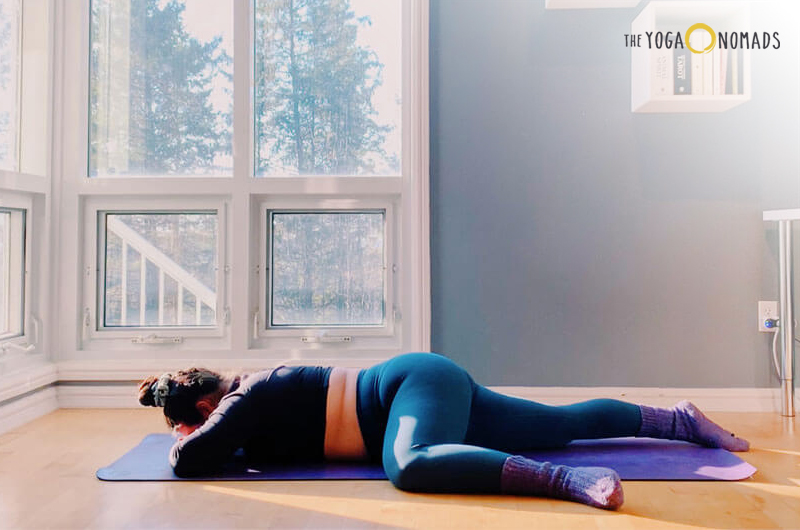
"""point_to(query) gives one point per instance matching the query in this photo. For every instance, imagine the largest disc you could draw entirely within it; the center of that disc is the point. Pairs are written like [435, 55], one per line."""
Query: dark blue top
[274, 415]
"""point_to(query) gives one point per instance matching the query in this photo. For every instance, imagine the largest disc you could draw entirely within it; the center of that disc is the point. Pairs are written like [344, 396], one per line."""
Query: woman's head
[188, 396]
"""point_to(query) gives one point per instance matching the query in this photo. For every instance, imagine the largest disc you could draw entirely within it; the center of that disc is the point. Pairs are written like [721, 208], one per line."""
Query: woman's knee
[408, 469]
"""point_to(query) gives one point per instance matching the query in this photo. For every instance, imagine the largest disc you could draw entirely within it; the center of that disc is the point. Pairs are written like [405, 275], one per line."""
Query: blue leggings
[435, 429]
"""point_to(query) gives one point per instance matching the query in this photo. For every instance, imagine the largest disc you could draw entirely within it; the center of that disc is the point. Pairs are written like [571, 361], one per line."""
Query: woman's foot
[684, 421]
[596, 486]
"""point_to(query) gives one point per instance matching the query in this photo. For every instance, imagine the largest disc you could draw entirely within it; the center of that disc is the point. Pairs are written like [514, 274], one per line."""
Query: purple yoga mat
[631, 458]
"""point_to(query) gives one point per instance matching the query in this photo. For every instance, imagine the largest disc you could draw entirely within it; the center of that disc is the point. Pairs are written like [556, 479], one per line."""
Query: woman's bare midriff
[343, 439]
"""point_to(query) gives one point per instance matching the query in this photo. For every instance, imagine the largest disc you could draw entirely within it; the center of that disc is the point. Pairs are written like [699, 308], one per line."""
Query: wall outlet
[767, 310]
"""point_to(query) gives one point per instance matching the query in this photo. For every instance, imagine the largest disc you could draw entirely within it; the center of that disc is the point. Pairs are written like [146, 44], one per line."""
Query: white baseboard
[18, 382]
[708, 399]
[28, 408]
[98, 396]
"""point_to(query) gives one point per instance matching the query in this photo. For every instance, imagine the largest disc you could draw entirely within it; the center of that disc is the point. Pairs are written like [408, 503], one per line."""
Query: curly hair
[186, 387]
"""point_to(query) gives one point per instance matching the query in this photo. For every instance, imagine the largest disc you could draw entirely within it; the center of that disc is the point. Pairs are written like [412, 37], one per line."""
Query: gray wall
[575, 243]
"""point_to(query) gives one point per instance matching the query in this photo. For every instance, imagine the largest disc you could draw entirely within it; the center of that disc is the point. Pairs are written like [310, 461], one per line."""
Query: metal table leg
[786, 329]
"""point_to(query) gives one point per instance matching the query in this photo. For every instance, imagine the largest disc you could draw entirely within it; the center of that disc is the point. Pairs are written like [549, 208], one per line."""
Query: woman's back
[274, 415]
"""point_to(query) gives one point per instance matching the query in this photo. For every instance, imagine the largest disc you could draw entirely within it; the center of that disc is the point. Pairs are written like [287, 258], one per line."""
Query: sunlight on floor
[781, 451]
[421, 512]
[777, 489]
[394, 512]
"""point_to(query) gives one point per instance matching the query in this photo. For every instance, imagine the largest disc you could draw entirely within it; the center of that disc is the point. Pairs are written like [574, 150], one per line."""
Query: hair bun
[146, 396]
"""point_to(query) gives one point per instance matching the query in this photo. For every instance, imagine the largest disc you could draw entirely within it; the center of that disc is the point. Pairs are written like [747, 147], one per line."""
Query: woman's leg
[429, 402]
[514, 424]
[684, 421]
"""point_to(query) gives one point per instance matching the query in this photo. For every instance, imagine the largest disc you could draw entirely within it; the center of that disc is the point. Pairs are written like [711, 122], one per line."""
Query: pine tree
[314, 88]
[7, 77]
[172, 125]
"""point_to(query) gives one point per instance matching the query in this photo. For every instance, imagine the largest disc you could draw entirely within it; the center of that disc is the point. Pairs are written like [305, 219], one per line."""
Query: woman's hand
[181, 431]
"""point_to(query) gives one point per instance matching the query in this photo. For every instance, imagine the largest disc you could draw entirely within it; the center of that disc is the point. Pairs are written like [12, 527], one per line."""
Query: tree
[8, 76]
[314, 88]
[167, 77]
[327, 268]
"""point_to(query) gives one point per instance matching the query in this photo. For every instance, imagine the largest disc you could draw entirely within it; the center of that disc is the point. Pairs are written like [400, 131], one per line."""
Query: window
[9, 82]
[158, 269]
[161, 89]
[313, 111]
[327, 87]
[329, 272]
[327, 268]
[25, 162]
[12, 272]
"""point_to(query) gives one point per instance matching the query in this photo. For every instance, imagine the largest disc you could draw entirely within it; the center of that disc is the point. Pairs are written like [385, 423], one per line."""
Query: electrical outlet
[767, 310]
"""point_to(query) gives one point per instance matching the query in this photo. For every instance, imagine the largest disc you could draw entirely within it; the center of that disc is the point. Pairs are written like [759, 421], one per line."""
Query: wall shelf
[653, 71]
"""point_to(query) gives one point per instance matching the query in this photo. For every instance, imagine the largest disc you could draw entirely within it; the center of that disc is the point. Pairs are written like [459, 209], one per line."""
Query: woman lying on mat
[433, 428]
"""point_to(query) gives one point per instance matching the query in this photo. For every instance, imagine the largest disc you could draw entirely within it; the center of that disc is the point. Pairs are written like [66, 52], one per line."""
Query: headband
[161, 389]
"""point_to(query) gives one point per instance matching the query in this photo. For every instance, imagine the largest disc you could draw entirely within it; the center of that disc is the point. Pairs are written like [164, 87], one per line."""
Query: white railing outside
[166, 267]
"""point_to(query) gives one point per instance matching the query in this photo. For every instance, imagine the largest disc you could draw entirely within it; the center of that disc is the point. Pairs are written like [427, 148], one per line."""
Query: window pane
[327, 93]
[9, 80]
[12, 272]
[161, 87]
[327, 269]
[160, 269]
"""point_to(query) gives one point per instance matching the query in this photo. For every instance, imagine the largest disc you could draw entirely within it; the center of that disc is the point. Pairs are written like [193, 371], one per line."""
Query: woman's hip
[378, 385]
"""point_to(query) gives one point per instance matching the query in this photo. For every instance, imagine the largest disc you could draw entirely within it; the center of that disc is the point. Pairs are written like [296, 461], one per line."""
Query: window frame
[253, 171]
[225, 175]
[304, 335]
[76, 196]
[28, 185]
[17, 203]
[94, 331]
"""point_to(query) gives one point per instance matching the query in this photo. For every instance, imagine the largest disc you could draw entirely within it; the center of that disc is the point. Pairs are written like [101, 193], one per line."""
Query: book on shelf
[663, 82]
[721, 72]
[738, 87]
[697, 63]
[734, 81]
[708, 64]
[716, 73]
[682, 71]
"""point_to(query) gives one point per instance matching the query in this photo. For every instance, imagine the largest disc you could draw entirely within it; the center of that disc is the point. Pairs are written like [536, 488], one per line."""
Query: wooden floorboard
[47, 480]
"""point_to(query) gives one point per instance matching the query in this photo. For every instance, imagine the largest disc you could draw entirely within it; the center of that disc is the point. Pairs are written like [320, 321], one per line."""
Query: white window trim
[93, 334]
[28, 185]
[15, 345]
[74, 192]
[309, 337]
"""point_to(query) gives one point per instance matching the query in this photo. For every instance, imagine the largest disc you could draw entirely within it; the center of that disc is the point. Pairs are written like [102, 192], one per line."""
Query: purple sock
[684, 421]
[595, 486]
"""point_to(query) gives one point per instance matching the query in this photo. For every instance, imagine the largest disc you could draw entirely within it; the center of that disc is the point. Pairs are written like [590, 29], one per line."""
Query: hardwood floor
[47, 480]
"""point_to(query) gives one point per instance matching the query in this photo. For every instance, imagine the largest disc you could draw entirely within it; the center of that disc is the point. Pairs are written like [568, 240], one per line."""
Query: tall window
[327, 87]
[12, 272]
[9, 82]
[316, 235]
[161, 87]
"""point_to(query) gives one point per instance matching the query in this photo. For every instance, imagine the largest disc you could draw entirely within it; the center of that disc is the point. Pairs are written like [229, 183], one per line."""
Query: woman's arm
[213, 443]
